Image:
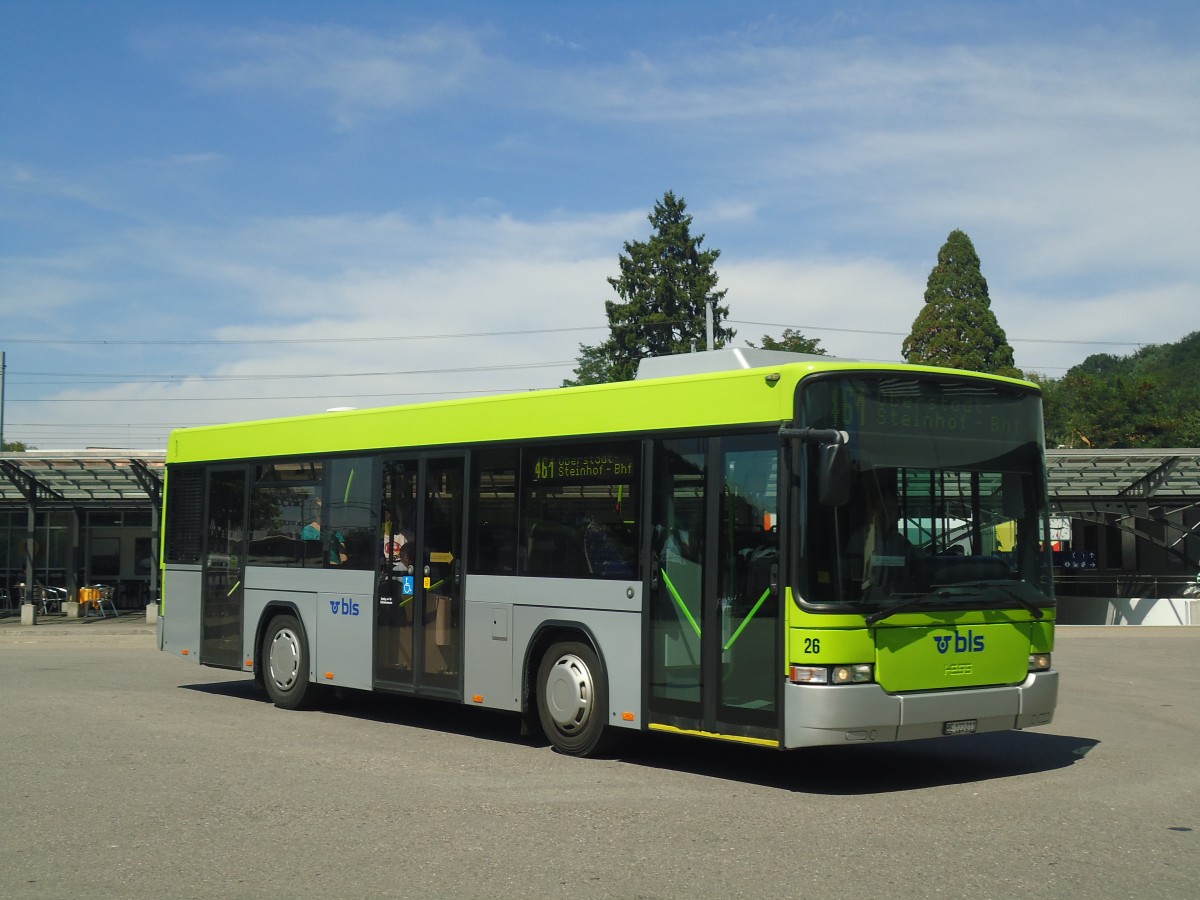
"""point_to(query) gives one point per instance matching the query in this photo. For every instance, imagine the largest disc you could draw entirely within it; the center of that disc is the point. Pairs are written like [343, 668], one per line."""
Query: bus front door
[714, 587]
[418, 603]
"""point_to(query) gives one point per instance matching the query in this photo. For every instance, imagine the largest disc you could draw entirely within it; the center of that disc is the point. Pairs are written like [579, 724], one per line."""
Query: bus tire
[572, 699]
[284, 659]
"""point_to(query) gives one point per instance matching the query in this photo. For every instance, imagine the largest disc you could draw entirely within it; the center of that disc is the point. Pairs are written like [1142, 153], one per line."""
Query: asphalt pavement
[124, 622]
[130, 773]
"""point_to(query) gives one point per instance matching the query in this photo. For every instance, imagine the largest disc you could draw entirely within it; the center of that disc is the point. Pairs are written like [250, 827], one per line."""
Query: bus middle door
[418, 603]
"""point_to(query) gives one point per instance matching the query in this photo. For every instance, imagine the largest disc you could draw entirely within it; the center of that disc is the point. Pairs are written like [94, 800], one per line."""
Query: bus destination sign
[583, 467]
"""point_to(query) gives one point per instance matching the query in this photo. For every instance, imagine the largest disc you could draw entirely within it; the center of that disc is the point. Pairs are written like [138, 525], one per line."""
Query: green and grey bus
[775, 549]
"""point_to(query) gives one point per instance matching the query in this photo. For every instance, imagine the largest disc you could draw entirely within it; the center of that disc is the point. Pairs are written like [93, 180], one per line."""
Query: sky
[218, 211]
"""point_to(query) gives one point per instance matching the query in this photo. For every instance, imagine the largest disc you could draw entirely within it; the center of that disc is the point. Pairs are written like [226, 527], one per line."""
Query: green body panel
[1042, 633]
[724, 399]
[981, 646]
[830, 646]
[927, 658]
[712, 400]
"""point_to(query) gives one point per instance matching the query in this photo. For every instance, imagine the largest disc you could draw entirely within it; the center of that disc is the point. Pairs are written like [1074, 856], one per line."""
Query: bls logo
[963, 643]
[343, 607]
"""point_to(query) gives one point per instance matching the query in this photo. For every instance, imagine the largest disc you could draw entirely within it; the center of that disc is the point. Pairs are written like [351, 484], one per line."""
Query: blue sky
[227, 210]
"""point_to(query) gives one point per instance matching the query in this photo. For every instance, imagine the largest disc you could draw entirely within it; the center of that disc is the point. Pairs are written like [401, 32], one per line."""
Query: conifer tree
[956, 327]
[664, 286]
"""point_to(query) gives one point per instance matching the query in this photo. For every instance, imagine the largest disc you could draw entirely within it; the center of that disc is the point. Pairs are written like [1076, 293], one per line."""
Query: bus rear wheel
[572, 699]
[284, 659]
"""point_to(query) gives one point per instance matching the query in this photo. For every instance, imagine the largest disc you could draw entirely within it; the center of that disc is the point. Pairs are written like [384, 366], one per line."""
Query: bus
[776, 549]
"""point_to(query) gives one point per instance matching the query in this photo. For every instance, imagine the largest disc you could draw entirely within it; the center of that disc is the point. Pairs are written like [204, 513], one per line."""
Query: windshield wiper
[965, 589]
[917, 602]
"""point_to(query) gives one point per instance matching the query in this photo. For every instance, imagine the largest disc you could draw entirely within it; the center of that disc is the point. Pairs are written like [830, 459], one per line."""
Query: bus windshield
[946, 502]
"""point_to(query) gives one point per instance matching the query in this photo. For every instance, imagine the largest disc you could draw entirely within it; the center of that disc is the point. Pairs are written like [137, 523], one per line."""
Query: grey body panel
[503, 614]
[490, 662]
[335, 609]
[180, 629]
[824, 714]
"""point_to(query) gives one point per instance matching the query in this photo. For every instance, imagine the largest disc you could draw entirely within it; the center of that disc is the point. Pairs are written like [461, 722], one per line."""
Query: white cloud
[357, 73]
[313, 289]
[858, 308]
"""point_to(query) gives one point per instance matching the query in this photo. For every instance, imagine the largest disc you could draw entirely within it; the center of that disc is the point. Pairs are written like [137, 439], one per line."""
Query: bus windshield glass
[945, 504]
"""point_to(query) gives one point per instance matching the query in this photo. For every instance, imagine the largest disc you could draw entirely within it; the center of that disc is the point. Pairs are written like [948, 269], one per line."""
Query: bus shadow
[394, 709]
[242, 689]
[849, 770]
[430, 715]
[873, 769]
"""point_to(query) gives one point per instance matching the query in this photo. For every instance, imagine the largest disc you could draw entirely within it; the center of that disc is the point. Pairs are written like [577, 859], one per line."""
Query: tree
[1147, 399]
[14, 446]
[956, 327]
[791, 341]
[664, 286]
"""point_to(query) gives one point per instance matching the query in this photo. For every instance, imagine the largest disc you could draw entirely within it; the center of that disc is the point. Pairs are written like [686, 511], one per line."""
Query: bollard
[151, 613]
[74, 609]
[28, 614]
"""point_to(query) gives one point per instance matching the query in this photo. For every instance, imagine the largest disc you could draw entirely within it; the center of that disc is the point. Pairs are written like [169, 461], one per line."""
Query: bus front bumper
[865, 713]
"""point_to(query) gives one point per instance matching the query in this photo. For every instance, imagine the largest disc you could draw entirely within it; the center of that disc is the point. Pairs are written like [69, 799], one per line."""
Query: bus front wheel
[284, 659]
[572, 699]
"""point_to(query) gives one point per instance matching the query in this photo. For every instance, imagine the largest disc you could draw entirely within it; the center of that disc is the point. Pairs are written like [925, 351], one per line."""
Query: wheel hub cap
[569, 693]
[285, 659]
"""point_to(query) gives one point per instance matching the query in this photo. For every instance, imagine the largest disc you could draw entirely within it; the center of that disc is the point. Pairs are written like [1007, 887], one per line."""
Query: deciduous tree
[791, 341]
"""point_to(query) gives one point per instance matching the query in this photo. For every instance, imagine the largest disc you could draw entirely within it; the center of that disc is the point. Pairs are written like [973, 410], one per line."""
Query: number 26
[812, 645]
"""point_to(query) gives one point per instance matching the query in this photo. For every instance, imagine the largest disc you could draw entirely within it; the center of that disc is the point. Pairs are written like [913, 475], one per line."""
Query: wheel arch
[270, 611]
[548, 633]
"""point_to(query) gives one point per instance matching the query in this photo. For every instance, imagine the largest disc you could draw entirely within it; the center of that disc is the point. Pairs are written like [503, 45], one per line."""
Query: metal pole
[708, 321]
[1, 400]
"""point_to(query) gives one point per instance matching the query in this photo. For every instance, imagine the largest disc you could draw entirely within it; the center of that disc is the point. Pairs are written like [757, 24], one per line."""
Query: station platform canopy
[1150, 494]
[51, 478]
[1112, 480]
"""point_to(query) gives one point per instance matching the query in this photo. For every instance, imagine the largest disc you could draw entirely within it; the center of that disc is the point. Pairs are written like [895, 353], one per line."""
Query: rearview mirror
[1013, 502]
[833, 474]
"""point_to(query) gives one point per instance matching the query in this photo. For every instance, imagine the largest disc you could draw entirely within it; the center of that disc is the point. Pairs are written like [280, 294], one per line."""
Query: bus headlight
[1039, 662]
[861, 673]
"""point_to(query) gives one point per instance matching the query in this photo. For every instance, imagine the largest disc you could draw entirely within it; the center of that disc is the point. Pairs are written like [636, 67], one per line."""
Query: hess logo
[343, 607]
[962, 643]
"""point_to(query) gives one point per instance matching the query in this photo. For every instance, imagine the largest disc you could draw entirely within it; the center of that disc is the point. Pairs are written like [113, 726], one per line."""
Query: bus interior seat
[603, 553]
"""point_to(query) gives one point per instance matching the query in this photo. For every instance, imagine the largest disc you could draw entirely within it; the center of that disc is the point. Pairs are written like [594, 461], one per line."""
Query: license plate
[962, 726]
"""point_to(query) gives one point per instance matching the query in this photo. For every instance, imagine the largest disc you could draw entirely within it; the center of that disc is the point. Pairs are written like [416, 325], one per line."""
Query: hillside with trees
[1150, 398]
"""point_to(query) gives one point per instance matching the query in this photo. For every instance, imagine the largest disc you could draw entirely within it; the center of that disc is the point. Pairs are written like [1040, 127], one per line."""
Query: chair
[54, 597]
[96, 596]
[47, 598]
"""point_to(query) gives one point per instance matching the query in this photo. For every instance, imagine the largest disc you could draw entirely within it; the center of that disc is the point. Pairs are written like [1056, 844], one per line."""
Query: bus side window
[579, 507]
[493, 517]
[352, 520]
